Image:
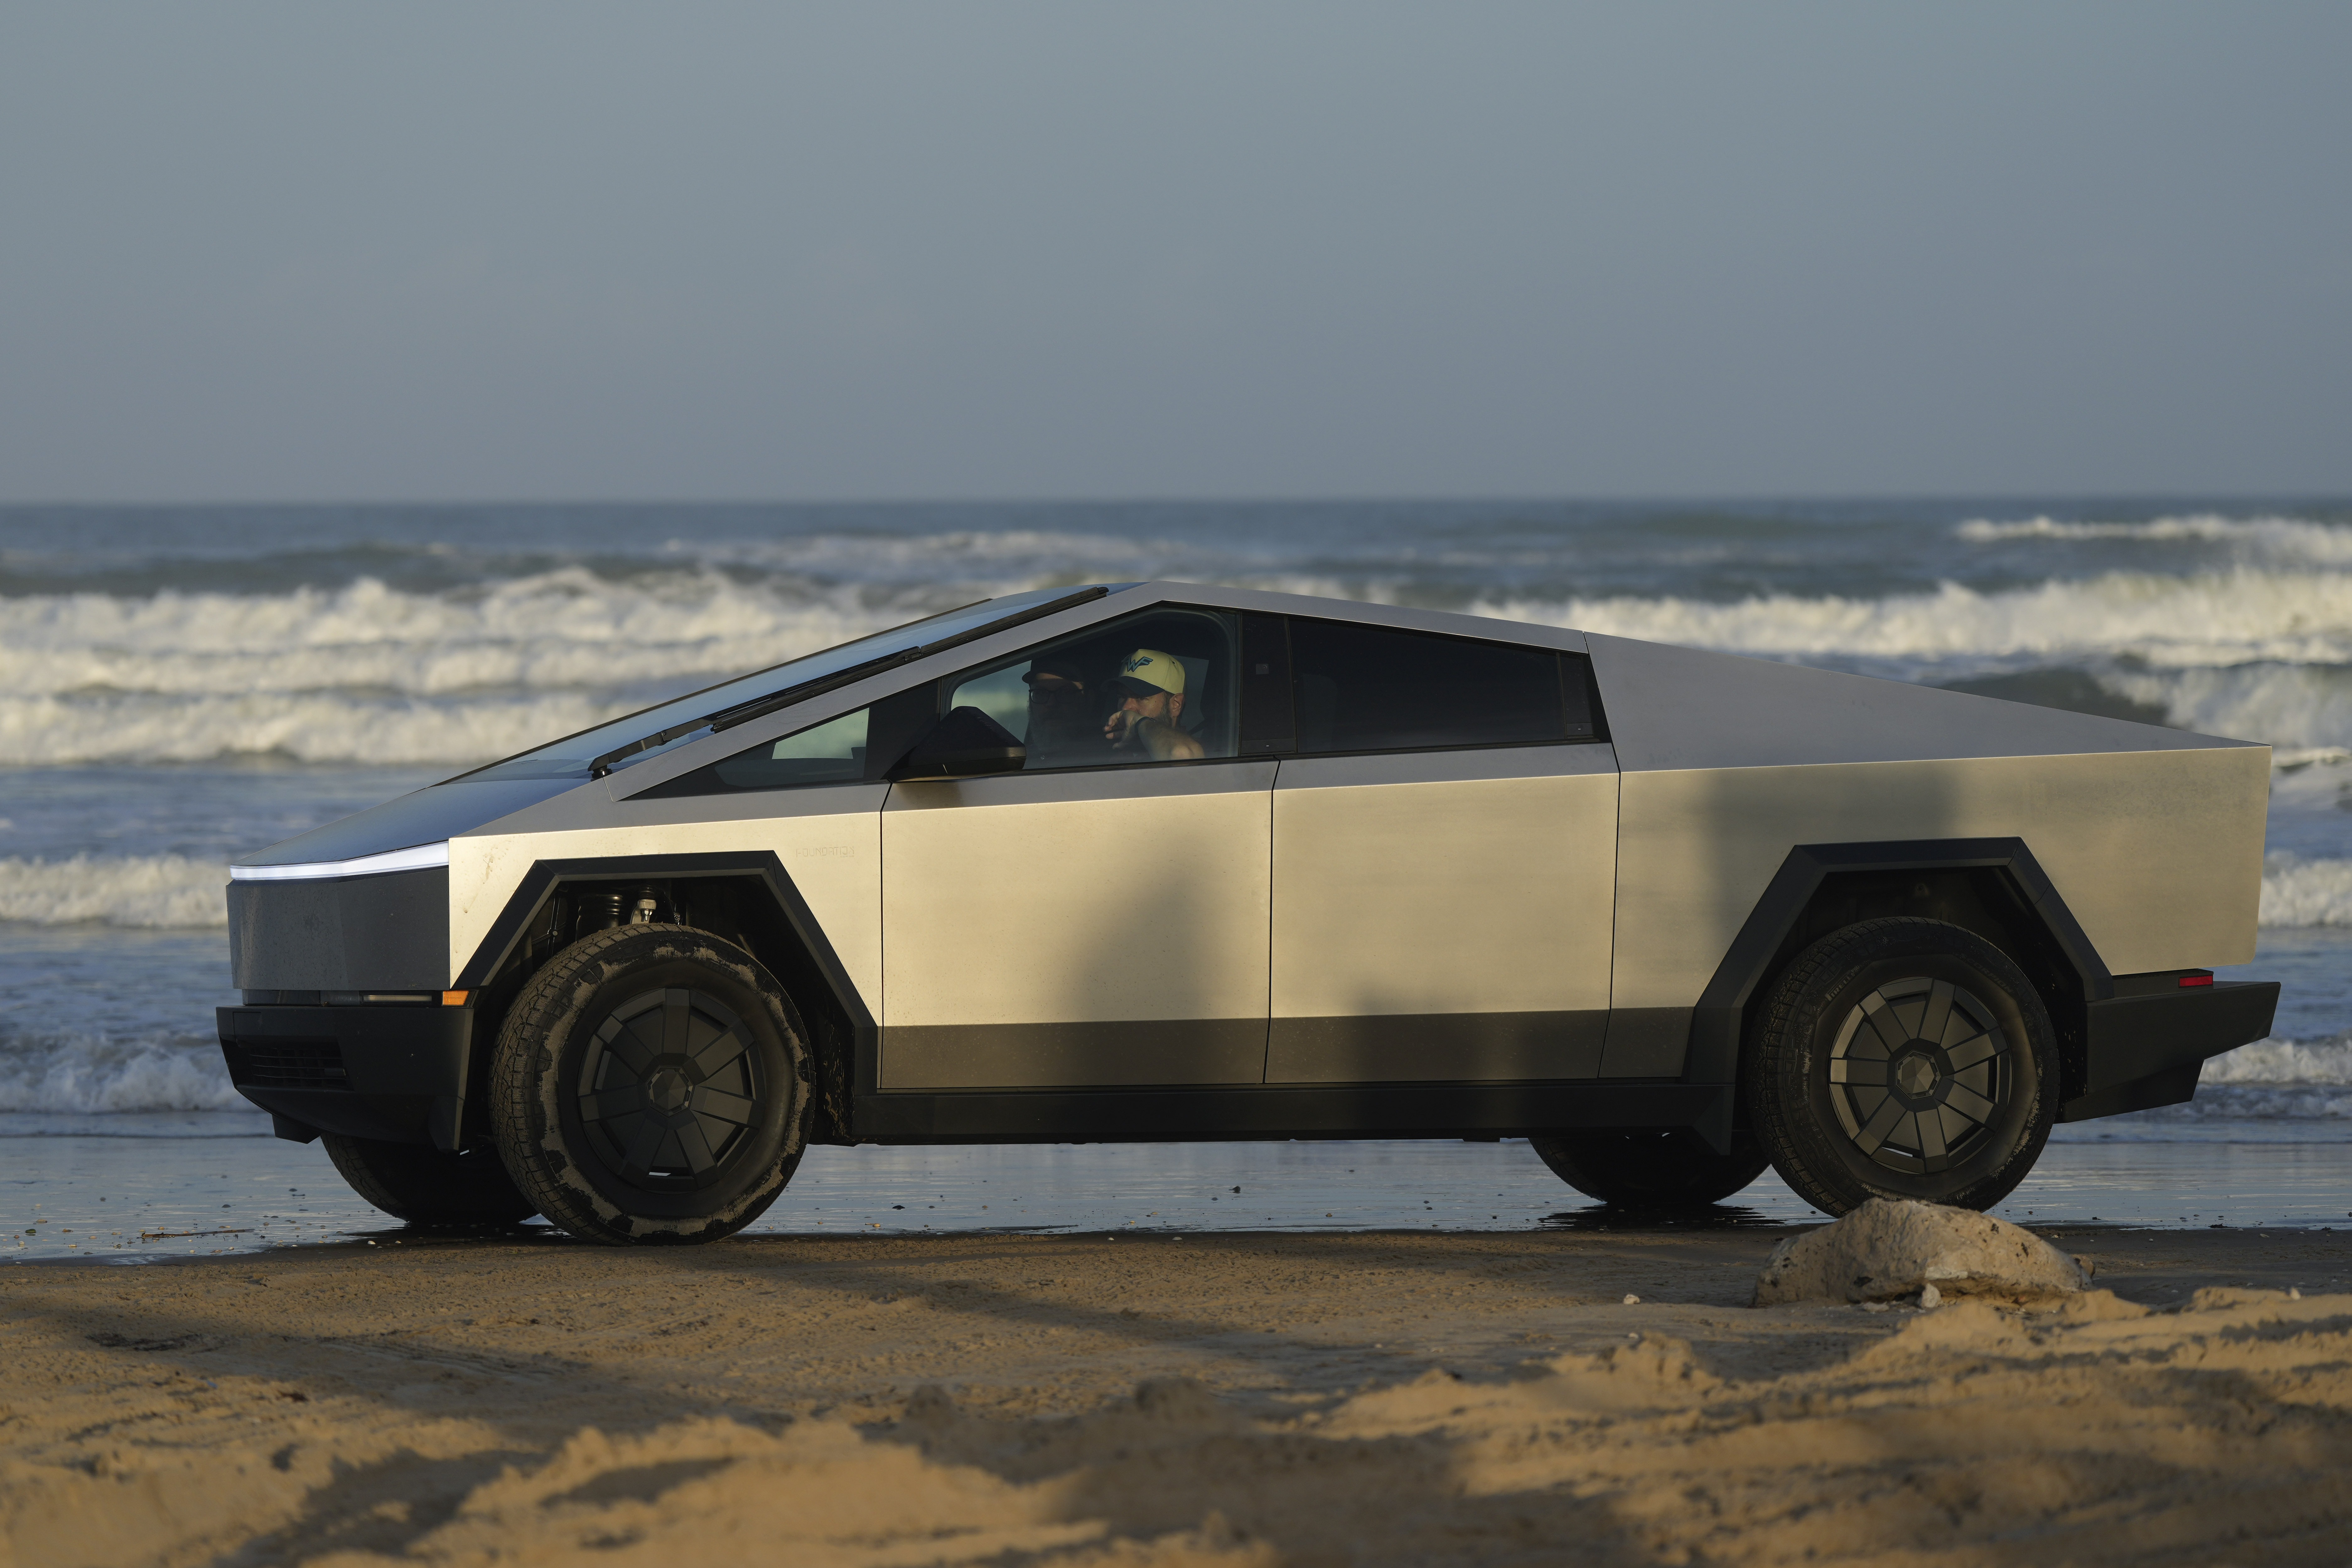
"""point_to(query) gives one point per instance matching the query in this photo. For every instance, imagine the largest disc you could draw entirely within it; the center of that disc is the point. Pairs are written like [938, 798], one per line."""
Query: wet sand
[1169, 1397]
[133, 1198]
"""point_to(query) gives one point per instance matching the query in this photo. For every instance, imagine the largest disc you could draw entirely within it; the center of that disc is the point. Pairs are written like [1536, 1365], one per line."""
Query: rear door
[1445, 863]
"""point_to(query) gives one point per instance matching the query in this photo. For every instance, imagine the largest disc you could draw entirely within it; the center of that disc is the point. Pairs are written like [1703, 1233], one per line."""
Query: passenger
[1063, 729]
[1149, 717]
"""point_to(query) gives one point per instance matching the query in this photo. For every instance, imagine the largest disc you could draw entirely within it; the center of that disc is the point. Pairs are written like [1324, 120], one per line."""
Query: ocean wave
[564, 629]
[316, 727]
[2270, 1080]
[2305, 893]
[96, 1073]
[2210, 619]
[374, 674]
[2287, 538]
[2312, 1062]
[574, 628]
[143, 891]
[2305, 709]
[1036, 556]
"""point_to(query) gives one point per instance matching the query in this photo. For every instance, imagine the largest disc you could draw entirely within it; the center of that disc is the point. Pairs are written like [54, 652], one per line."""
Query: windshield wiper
[758, 707]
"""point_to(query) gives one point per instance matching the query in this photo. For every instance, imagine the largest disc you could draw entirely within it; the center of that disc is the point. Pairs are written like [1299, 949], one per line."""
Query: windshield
[571, 756]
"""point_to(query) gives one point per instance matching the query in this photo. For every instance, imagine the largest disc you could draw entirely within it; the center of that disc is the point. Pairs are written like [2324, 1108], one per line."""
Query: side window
[830, 752]
[1156, 687]
[850, 749]
[1369, 689]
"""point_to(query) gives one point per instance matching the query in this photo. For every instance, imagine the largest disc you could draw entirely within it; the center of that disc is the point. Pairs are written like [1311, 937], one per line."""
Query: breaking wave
[557, 629]
[2216, 618]
[2256, 642]
[2279, 538]
[311, 727]
[146, 891]
[2305, 893]
[2284, 1062]
[2268, 1082]
[95, 1073]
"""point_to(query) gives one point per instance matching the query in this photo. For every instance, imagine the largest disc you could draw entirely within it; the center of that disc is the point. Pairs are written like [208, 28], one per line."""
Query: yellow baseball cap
[1147, 670]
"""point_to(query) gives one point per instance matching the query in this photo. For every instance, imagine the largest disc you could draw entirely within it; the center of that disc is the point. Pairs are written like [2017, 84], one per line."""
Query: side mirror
[964, 743]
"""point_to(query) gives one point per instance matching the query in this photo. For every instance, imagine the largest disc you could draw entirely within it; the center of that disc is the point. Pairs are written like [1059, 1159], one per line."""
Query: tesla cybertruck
[1161, 861]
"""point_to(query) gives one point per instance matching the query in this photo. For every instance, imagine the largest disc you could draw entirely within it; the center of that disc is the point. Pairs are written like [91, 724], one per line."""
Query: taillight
[2198, 977]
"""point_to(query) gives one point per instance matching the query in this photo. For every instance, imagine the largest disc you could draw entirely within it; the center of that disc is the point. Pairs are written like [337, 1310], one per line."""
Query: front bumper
[2146, 1050]
[386, 1071]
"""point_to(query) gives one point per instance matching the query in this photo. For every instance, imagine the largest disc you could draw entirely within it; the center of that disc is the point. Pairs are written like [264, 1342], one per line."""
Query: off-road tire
[1674, 1170]
[652, 1085]
[429, 1186]
[1902, 1058]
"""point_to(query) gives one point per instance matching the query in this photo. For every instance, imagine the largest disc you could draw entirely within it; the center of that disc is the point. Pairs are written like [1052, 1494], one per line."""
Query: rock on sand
[1886, 1249]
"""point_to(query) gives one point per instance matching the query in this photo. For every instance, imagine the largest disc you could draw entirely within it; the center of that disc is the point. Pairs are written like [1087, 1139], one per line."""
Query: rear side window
[1369, 689]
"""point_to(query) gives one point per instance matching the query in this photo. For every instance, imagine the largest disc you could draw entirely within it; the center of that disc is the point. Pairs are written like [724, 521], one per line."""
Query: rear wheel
[428, 1186]
[651, 1086]
[1903, 1058]
[1675, 1169]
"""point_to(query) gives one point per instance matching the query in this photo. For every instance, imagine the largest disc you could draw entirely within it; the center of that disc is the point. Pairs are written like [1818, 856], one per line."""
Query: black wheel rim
[1917, 1075]
[669, 1090]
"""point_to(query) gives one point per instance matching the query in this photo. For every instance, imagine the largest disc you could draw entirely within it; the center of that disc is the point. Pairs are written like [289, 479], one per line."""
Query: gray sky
[591, 251]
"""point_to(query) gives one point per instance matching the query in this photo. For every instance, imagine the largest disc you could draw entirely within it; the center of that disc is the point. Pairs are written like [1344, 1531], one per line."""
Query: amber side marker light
[457, 998]
[2202, 977]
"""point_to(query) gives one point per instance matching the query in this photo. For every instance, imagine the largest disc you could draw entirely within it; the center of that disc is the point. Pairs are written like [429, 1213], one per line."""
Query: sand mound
[470, 1406]
[1885, 1250]
[2099, 1434]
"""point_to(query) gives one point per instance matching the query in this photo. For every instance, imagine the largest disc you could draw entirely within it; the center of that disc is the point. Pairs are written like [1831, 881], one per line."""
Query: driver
[1151, 685]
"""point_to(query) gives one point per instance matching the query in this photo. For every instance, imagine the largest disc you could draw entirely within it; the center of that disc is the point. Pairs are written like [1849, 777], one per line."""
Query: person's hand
[1117, 727]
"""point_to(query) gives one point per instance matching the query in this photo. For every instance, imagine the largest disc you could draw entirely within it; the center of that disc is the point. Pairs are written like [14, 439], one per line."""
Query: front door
[1103, 921]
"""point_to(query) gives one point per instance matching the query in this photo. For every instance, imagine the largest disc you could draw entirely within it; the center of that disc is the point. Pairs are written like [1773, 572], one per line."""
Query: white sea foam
[370, 673]
[966, 555]
[2304, 709]
[97, 1073]
[2269, 1081]
[376, 675]
[316, 727]
[2282, 538]
[132, 890]
[2305, 893]
[572, 628]
[557, 629]
[2212, 618]
[2284, 1062]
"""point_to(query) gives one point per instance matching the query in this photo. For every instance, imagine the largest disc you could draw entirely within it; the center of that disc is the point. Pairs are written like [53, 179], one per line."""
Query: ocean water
[180, 684]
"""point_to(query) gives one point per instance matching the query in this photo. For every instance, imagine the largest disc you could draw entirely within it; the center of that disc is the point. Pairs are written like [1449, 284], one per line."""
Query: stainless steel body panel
[2158, 855]
[827, 836]
[1103, 927]
[1461, 898]
[1677, 708]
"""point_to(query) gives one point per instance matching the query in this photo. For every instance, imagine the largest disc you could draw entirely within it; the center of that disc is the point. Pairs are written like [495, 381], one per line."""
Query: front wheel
[1668, 1170]
[651, 1086]
[1903, 1058]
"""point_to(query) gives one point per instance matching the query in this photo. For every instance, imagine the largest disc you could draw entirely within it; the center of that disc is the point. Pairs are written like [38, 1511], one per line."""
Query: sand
[1206, 1398]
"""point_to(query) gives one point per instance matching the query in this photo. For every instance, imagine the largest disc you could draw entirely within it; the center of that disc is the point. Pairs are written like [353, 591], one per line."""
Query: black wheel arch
[748, 898]
[1993, 888]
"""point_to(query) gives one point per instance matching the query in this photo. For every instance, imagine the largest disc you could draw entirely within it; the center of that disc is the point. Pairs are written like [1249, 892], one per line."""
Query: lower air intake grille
[287, 1064]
